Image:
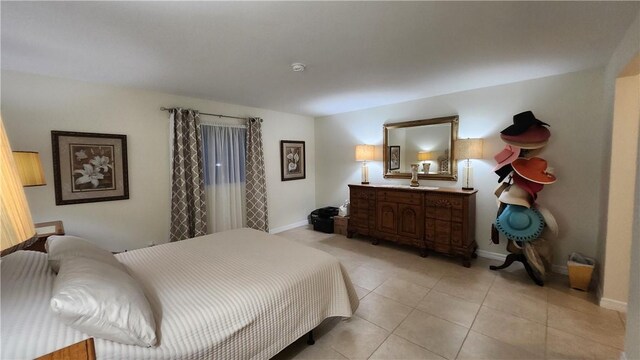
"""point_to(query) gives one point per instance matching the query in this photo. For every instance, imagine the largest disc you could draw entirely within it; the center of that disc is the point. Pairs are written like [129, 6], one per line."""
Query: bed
[237, 294]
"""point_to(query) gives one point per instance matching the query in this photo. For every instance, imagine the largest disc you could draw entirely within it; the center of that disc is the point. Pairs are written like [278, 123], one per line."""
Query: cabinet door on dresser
[387, 217]
[410, 222]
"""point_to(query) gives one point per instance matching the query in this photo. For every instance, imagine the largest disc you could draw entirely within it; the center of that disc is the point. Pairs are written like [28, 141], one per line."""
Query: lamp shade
[364, 152]
[17, 225]
[469, 149]
[29, 168]
[425, 155]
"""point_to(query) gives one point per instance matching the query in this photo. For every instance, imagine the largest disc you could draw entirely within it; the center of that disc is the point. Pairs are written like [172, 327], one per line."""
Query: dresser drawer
[368, 194]
[443, 201]
[401, 197]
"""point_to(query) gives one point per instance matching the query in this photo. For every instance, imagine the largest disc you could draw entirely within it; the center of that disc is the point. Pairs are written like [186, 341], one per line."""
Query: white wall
[624, 160]
[34, 105]
[571, 103]
[631, 344]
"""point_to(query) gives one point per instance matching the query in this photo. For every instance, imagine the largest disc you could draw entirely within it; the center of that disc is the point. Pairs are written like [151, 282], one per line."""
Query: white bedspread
[234, 295]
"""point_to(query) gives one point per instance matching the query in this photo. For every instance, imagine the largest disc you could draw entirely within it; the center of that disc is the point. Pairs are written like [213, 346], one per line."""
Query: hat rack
[517, 218]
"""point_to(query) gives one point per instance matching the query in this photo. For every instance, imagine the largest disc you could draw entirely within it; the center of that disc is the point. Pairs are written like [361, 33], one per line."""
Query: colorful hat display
[529, 186]
[515, 195]
[520, 223]
[534, 169]
[549, 219]
[521, 123]
[506, 156]
[535, 137]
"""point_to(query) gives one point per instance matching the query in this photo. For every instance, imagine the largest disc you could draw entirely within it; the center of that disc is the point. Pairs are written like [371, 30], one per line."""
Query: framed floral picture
[292, 160]
[89, 167]
[394, 157]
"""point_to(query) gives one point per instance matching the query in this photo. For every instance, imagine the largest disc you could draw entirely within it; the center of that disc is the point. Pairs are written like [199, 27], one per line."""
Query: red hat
[535, 137]
[534, 169]
[506, 156]
[529, 186]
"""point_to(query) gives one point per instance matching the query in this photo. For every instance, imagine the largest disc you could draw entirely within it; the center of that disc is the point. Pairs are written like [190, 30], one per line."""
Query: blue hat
[520, 223]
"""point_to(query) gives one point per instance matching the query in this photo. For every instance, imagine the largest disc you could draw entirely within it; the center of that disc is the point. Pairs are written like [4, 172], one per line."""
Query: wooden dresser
[440, 220]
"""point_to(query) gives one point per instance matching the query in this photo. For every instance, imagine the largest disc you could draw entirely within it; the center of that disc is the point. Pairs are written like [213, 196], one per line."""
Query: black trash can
[322, 219]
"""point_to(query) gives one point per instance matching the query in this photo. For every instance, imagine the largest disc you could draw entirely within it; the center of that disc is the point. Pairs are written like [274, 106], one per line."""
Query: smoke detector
[298, 67]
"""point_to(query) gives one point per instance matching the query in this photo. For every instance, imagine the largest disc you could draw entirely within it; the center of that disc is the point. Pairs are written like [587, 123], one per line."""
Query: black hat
[522, 122]
[503, 172]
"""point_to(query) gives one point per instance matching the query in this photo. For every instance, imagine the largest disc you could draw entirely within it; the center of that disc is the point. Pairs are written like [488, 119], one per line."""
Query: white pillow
[62, 247]
[103, 301]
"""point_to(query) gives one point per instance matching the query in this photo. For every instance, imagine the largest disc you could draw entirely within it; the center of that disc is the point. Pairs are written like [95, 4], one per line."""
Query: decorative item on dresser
[441, 220]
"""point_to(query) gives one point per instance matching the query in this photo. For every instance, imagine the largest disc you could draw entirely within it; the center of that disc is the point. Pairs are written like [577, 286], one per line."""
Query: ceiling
[358, 54]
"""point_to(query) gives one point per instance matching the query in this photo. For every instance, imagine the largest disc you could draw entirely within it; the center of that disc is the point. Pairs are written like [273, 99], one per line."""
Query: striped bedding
[239, 294]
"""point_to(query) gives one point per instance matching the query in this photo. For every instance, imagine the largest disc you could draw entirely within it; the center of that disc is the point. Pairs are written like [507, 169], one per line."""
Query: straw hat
[520, 223]
[534, 169]
[515, 195]
[549, 219]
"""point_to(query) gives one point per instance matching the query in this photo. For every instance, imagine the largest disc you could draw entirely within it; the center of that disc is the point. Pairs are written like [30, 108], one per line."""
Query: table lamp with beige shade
[424, 156]
[365, 153]
[468, 149]
[29, 168]
[17, 226]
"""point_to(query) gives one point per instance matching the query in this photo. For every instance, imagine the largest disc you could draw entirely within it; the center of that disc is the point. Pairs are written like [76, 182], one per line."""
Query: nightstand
[43, 231]
[84, 350]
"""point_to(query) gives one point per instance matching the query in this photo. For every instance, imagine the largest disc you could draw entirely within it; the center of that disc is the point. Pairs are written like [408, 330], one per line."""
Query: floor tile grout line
[492, 286]
[585, 338]
[546, 334]
[475, 317]
[409, 340]
[382, 342]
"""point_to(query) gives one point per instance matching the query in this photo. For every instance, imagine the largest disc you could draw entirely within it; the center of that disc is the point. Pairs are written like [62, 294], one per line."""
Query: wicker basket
[580, 271]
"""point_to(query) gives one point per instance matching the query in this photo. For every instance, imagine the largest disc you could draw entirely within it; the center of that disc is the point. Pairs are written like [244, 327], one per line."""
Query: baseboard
[288, 227]
[491, 255]
[613, 305]
[558, 269]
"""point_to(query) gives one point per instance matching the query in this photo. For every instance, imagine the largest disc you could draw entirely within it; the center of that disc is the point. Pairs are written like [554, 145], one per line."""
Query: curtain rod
[218, 115]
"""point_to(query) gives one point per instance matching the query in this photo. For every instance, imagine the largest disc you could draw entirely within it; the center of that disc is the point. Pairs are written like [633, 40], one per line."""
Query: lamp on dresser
[424, 156]
[468, 149]
[17, 226]
[365, 153]
[29, 168]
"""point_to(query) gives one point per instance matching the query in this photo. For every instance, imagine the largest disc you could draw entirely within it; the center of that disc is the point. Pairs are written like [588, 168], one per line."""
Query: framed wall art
[394, 157]
[292, 160]
[89, 167]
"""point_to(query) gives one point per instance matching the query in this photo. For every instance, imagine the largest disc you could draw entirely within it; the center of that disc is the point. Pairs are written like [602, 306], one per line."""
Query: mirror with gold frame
[428, 143]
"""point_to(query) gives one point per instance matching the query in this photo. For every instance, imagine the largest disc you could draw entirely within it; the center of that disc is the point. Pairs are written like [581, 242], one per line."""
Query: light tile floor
[434, 308]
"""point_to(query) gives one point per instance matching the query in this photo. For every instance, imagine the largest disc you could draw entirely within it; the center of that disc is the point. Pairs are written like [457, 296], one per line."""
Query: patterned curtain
[257, 214]
[188, 202]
